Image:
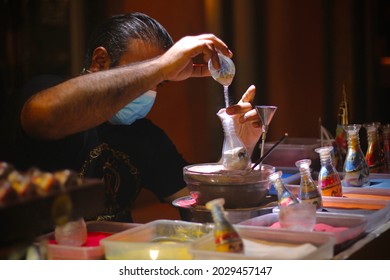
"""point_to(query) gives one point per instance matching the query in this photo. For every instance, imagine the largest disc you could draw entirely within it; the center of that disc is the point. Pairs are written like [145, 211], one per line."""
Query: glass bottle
[226, 237]
[374, 154]
[308, 190]
[285, 197]
[356, 172]
[234, 154]
[328, 178]
[224, 75]
[386, 146]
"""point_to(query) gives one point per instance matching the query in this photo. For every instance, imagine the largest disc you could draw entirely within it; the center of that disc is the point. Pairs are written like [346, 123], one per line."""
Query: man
[94, 123]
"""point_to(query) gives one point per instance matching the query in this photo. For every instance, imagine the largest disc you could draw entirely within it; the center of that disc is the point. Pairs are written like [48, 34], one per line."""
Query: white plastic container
[63, 252]
[275, 244]
[160, 239]
[355, 224]
[375, 207]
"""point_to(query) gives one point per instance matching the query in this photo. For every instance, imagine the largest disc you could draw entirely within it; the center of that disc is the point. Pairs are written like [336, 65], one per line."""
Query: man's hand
[178, 60]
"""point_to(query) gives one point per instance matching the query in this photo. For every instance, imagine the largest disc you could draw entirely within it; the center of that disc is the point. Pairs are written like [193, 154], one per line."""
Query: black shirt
[128, 157]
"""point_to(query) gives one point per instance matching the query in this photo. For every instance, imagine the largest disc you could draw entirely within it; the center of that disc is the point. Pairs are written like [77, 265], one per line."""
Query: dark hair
[114, 35]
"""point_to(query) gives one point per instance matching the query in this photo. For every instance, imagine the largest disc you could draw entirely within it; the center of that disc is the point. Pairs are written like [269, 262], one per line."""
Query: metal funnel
[266, 114]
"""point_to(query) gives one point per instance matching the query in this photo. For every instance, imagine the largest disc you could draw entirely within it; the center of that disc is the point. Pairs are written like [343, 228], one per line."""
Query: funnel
[266, 114]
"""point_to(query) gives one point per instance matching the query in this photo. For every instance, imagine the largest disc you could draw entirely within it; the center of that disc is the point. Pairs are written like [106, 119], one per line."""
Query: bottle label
[331, 186]
[229, 242]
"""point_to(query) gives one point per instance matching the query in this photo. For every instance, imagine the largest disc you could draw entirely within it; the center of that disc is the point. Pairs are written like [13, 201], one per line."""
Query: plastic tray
[322, 245]
[63, 252]
[160, 239]
[370, 192]
[355, 224]
[377, 211]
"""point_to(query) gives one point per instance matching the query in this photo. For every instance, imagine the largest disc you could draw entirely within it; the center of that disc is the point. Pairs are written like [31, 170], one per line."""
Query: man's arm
[87, 101]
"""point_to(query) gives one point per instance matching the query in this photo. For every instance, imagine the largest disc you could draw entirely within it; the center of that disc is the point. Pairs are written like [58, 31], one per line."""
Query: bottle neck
[386, 134]
[279, 185]
[372, 138]
[228, 125]
[306, 178]
[353, 141]
[218, 215]
[326, 159]
[305, 172]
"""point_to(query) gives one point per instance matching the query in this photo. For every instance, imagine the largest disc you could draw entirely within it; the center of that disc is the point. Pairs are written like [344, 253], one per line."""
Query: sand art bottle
[356, 172]
[234, 154]
[227, 238]
[285, 197]
[308, 190]
[328, 179]
[374, 154]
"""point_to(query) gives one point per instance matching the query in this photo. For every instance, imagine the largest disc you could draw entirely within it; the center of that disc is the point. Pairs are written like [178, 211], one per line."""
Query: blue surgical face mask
[137, 109]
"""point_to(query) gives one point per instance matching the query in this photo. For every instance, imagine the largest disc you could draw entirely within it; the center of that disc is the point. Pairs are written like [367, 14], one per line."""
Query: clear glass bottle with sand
[356, 171]
[308, 190]
[374, 155]
[234, 154]
[226, 237]
[328, 178]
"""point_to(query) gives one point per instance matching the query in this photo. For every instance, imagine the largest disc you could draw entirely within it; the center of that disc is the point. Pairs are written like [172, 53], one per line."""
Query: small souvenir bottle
[386, 146]
[374, 154]
[285, 197]
[308, 190]
[328, 178]
[356, 172]
[234, 154]
[227, 238]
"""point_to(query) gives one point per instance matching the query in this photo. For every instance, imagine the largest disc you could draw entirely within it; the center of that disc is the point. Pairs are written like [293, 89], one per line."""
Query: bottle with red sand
[227, 238]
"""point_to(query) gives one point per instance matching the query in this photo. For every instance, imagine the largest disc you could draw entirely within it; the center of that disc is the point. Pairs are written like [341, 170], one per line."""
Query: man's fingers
[200, 70]
[239, 108]
[252, 115]
[249, 95]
